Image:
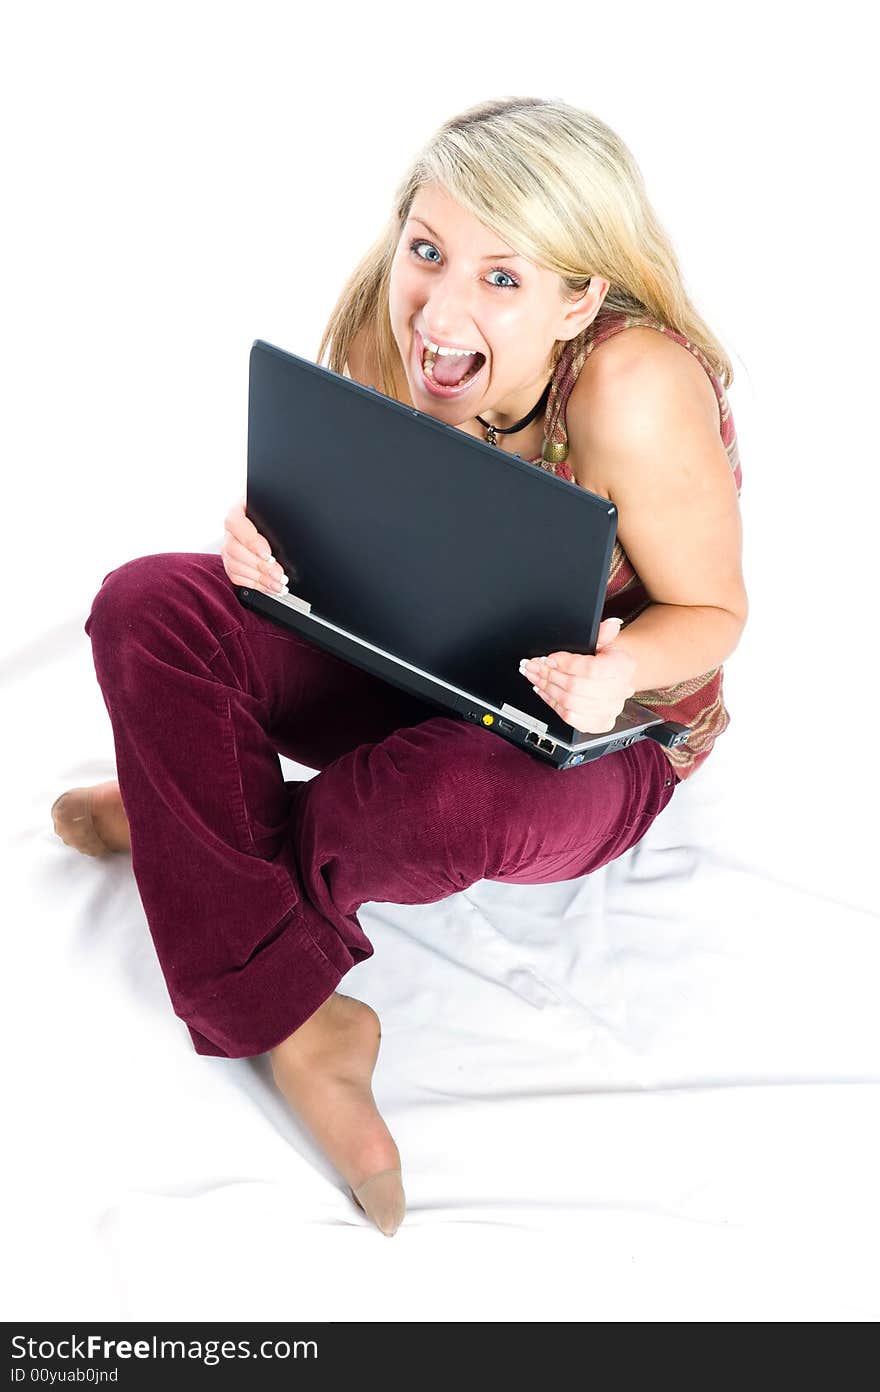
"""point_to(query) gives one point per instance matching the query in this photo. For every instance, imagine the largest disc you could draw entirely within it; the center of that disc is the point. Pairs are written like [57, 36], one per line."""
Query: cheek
[512, 334]
[510, 330]
[515, 320]
[402, 285]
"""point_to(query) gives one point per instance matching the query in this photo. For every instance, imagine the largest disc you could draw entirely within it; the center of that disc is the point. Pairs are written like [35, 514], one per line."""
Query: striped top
[698, 702]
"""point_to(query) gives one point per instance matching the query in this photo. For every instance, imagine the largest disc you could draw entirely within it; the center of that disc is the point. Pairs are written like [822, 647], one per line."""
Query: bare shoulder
[646, 427]
[618, 388]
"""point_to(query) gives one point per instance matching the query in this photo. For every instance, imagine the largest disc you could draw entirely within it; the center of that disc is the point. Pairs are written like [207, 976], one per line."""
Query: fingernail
[267, 556]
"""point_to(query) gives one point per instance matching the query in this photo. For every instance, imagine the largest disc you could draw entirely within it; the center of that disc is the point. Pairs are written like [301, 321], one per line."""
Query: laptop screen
[450, 553]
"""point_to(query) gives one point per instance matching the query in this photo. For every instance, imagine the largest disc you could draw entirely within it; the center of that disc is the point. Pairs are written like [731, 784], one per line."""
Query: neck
[512, 410]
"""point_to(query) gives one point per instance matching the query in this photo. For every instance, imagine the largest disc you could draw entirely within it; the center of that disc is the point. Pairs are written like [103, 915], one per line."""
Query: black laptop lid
[443, 550]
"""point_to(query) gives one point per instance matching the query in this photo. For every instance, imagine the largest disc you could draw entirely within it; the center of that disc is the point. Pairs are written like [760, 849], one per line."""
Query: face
[455, 283]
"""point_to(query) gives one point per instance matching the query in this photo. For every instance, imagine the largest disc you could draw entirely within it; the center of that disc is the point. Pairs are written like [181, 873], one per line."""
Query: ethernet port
[541, 742]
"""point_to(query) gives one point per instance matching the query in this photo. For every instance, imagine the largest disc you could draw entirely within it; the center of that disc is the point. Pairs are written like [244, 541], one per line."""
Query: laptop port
[541, 742]
[505, 725]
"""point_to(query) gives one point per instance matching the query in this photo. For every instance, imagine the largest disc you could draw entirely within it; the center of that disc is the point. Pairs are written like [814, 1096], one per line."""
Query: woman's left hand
[588, 692]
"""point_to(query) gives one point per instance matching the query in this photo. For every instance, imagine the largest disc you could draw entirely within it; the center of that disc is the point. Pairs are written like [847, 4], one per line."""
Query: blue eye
[496, 270]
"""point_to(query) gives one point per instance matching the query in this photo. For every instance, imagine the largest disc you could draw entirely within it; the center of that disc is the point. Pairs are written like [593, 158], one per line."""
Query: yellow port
[488, 719]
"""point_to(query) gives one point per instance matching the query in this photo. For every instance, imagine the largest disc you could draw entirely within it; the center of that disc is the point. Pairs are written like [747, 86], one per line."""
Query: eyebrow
[495, 256]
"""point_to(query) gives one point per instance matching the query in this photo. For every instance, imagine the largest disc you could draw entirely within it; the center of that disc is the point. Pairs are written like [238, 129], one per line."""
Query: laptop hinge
[294, 602]
[539, 727]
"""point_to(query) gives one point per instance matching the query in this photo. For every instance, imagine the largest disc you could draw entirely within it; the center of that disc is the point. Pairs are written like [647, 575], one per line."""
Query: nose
[446, 311]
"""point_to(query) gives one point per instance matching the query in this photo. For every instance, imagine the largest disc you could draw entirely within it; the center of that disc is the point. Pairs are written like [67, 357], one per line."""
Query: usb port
[505, 725]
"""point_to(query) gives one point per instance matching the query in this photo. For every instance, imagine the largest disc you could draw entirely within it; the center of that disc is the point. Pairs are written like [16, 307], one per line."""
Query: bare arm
[650, 431]
[671, 644]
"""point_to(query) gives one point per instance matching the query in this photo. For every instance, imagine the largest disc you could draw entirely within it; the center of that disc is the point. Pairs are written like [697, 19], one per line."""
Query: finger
[234, 553]
[239, 525]
[581, 684]
[558, 685]
[551, 690]
[245, 573]
[606, 665]
[269, 587]
[568, 708]
[609, 630]
[248, 560]
[570, 664]
[543, 670]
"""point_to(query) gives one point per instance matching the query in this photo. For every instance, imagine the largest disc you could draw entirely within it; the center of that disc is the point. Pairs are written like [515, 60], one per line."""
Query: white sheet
[649, 1093]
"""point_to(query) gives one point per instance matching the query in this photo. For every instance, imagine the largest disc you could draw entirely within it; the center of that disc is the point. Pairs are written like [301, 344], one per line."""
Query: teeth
[434, 349]
[428, 367]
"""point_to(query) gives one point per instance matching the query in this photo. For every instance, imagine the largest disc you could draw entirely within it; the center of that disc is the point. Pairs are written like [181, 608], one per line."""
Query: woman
[524, 292]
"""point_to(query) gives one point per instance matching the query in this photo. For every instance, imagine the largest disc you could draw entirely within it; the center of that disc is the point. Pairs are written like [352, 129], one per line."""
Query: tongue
[449, 370]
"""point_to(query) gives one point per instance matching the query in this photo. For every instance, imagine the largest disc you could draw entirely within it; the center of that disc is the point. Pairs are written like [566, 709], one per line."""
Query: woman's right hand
[247, 557]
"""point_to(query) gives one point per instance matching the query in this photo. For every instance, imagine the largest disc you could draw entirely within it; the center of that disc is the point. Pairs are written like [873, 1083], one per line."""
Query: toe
[382, 1199]
[73, 823]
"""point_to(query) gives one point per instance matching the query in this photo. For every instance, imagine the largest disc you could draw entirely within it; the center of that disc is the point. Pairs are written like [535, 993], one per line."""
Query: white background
[179, 180]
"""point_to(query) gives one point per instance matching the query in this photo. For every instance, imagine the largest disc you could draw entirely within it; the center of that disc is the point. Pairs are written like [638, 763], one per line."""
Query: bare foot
[92, 820]
[324, 1070]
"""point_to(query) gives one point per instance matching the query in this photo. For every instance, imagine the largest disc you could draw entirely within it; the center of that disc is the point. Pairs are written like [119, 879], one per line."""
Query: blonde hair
[560, 187]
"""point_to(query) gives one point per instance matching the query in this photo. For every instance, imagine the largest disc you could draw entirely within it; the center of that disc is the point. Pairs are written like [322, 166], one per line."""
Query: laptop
[429, 558]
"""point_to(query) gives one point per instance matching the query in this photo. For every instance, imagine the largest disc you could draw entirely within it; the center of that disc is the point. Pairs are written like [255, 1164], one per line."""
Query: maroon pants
[251, 885]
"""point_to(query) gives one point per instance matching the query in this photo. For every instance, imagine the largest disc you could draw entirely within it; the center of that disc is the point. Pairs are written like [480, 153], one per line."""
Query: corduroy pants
[251, 885]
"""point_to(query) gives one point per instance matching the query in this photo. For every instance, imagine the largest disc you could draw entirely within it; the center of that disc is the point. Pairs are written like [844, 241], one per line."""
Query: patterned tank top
[698, 702]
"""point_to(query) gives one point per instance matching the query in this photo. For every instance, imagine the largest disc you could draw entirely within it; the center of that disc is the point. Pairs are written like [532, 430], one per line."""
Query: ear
[578, 314]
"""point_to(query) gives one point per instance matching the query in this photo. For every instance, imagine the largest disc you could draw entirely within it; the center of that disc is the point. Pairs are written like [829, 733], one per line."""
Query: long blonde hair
[560, 187]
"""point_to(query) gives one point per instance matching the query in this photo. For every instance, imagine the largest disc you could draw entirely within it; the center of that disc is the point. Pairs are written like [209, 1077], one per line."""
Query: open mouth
[449, 367]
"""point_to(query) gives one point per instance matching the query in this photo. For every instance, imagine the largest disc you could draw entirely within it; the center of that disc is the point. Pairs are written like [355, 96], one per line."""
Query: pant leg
[251, 886]
[437, 806]
[201, 695]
